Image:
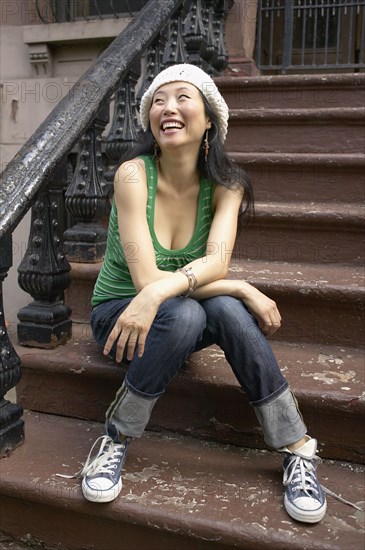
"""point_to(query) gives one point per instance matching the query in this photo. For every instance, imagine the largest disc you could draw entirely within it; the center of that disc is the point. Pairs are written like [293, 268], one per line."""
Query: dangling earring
[206, 146]
[156, 151]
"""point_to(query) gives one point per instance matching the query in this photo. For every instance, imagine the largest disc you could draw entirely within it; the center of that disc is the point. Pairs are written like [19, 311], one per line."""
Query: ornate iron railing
[310, 35]
[45, 172]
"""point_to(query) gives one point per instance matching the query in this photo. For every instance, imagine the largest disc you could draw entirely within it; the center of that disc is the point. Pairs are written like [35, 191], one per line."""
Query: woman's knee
[183, 316]
[104, 316]
[228, 318]
[226, 310]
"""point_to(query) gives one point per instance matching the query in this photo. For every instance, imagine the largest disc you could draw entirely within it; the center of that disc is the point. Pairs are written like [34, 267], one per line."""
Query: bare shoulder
[225, 196]
[130, 180]
[130, 188]
[130, 171]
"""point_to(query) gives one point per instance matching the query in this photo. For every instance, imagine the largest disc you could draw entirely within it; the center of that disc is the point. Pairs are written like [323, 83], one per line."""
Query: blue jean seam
[270, 397]
[133, 390]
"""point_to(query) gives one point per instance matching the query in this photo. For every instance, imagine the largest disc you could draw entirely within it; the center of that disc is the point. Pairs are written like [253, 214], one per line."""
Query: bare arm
[262, 307]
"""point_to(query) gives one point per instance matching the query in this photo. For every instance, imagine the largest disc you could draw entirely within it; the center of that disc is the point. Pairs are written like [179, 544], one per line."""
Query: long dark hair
[220, 169]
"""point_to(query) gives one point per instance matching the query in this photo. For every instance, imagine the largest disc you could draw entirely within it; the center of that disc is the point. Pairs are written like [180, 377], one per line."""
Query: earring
[206, 146]
[156, 151]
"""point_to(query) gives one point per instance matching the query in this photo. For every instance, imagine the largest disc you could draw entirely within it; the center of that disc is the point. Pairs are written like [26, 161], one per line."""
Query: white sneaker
[304, 498]
[102, 481]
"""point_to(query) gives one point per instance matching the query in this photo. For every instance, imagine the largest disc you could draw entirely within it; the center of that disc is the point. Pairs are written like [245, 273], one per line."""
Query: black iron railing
[310, 35]
[45, 173]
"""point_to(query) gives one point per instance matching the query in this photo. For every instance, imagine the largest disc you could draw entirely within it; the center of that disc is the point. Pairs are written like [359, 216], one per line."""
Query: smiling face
[177, 116]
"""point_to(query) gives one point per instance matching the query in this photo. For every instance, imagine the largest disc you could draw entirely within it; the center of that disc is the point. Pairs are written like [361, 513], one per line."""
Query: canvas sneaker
[304, 498]
[102, 481]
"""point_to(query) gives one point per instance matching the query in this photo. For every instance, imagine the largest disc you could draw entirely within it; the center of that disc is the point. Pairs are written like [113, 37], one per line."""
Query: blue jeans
[181, 327]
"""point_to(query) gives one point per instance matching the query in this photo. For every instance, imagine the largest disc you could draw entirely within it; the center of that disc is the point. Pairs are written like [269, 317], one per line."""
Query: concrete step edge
[324, 281]
[328, 381]
[340, 160]
[351, 115]
[293, 358]
[173, 485]
[311, 213]
[304, 81]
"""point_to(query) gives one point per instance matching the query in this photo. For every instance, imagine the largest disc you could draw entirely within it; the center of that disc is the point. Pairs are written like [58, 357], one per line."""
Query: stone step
[285, 177]
[304, 232]
[79, 293]
[297, 130]
[178, 492]
[322, 304]
[205, 399]
[293, 91]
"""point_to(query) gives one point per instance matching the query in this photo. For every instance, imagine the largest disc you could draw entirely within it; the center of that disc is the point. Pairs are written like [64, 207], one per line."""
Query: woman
[162, 292]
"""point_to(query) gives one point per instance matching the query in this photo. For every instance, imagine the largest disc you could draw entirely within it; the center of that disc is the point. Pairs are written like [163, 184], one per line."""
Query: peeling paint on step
[331, 377]
[78, 371]
[359, 515]
[145, 475]
[324, 359]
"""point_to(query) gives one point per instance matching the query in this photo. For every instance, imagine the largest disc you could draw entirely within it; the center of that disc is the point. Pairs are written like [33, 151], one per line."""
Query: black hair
[219, 169]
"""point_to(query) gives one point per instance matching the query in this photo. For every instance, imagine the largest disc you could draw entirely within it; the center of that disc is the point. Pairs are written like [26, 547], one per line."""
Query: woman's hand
[132, 326]
[261, 307]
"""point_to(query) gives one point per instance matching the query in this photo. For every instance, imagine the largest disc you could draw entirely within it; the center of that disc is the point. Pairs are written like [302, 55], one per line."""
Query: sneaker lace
[305, 478]
[301, 473]
[341, 499]
[104, 462]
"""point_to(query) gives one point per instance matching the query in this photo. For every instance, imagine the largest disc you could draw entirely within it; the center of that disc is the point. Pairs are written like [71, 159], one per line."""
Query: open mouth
[171, 125]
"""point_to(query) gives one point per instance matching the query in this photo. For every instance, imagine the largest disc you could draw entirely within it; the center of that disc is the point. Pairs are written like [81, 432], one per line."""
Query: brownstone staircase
[201, 478]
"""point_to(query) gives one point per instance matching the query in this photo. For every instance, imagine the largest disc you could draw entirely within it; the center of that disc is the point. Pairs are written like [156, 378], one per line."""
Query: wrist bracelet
[188, 272]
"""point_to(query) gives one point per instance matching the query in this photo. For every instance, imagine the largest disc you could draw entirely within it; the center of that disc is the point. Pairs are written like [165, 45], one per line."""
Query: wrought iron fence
[310, 35]
[61, 11]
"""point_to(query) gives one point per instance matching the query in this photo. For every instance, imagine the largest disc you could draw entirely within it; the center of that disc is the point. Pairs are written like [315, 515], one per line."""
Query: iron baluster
[175, 49]
[211, 49]
[124, 129]
[219, 17]
[86, 199]
[11, 422]
[44, 273]
[195, 35]
[154, 62]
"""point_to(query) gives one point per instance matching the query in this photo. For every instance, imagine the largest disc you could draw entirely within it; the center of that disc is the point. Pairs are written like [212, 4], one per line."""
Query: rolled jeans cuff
[281, 420]
[130, 412]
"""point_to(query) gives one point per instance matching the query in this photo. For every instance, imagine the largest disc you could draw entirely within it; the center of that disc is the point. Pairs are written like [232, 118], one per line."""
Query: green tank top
[114, 280]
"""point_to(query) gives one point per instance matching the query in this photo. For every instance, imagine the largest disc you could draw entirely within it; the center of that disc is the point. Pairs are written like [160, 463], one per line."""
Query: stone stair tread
[288, 90]
[296, 130]
[332, 372]
[327, 380]
[336, 159]
[295, 80]
[352, 115]
[179, 492]
[345, 281]
[279, 274]
[317, 176]
[311, 212]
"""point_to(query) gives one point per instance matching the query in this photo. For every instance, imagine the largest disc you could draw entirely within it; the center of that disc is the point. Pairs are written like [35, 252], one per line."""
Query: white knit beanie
[201, 80]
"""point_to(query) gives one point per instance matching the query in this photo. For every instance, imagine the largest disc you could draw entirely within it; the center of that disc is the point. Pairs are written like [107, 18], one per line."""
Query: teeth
[171, 125]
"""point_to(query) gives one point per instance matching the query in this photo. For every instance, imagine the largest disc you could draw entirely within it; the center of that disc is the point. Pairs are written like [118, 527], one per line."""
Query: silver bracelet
[188, 272]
